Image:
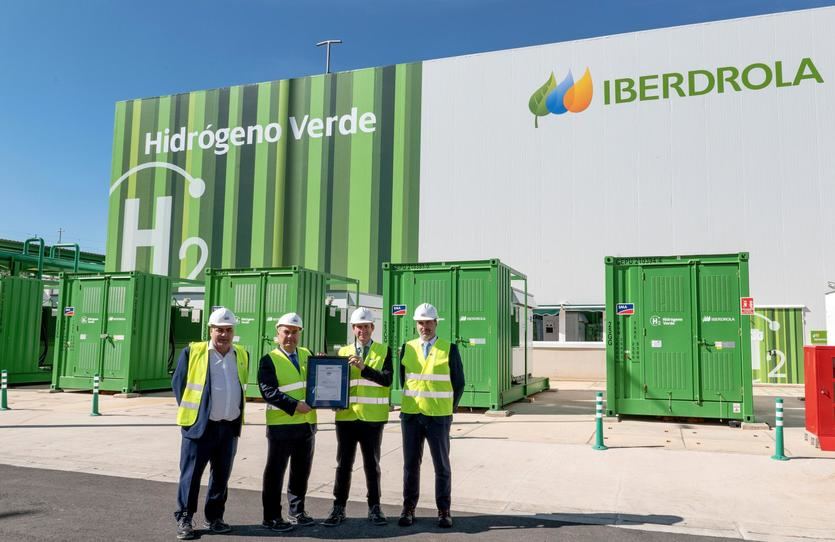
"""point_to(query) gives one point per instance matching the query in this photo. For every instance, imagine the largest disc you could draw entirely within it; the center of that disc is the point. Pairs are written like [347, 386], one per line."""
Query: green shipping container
[777, 345]
[21, 331]
[475, 301]
[116, 325]
[259, 297]
[677, 343]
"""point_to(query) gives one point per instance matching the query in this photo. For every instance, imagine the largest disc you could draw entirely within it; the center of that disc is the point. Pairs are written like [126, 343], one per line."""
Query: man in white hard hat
[291, 425]
[209, 384]
[363, 421]
[432, 378]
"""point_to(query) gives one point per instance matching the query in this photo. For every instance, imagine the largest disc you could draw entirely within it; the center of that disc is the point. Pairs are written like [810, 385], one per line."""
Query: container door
[84, 357]
[668, 335]
[434, 287]
[475, 328]
[117, 328]
[720, 355]
[243, 295]
[280, 297]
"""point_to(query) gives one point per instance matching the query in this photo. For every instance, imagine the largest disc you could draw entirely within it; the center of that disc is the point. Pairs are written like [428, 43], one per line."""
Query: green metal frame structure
[678, 345]
[259, 296]
[475, 302]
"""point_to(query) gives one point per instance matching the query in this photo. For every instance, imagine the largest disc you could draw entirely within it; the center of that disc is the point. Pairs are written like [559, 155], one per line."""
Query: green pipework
[76, 256]
[40, 252]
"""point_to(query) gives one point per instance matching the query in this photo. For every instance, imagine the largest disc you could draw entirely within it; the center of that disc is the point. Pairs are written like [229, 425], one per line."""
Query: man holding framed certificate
[291, 425]
[363, 420]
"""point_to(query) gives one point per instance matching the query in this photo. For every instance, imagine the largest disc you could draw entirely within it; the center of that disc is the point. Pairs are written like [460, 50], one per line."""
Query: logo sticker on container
[656, 344]
[398, 310]
[69, 311]
[737, 408]
[625, 309]
[746, 306]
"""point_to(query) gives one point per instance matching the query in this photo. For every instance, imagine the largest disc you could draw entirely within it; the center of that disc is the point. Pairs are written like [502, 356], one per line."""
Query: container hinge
[671, 401]
[645, 332]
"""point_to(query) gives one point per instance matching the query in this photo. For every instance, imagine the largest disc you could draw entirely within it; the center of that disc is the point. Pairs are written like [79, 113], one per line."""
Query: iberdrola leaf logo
[567, 97]
[537, 102]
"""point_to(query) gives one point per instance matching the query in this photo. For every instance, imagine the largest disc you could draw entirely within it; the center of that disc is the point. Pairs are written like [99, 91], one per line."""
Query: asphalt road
[46, 505]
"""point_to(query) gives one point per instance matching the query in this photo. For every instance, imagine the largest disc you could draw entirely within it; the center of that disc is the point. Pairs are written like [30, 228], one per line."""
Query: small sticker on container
[656, 344]
[195, 316]
[236, 339]
[475, 341]
[746, 306]
[247, 320]
[724, 344]
[737, 408]
[625, 309]
[82, 337]
[118, 337]
[69, 311]
[398, 310]
[343, 316]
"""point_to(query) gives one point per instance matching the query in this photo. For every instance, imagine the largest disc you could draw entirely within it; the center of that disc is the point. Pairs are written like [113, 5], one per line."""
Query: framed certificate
[327, 382]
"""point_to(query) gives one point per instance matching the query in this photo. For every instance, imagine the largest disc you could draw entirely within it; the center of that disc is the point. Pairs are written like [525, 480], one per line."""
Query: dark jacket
[178, 384]
[456, 375]
[268, 384]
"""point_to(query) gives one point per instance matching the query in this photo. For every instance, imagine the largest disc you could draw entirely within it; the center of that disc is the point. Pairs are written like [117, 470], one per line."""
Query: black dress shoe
[302, 519]
[277, 525]
[217, 526]
[376, 516]
[185, 529]
[444, 519]
[336, 516]
[407, 517]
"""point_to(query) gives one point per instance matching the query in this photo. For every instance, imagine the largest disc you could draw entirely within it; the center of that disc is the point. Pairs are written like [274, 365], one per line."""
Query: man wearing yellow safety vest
[432, 378]
[209, 384]
[362, 422]
[291, 425]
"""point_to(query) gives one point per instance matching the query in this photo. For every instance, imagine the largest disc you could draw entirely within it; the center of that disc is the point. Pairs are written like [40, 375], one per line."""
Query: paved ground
[47, 505]
[658, 475]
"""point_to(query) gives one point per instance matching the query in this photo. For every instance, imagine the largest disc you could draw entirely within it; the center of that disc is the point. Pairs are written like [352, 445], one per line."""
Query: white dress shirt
[226, 389]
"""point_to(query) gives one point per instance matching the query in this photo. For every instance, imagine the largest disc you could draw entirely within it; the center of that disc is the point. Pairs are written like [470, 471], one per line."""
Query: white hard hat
[222, 317]
[424, 312]
[362, 316]
[290, 319]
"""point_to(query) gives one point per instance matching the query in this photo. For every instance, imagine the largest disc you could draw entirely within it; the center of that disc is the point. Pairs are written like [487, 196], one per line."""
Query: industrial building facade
[700, 139]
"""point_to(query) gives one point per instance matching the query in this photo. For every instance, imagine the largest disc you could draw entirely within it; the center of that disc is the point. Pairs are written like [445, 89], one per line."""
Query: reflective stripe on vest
[427, 388]
[292, 382]
[198, 368]
[367, 400]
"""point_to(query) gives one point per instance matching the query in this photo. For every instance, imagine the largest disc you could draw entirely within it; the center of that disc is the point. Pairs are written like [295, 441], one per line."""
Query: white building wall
[740, 171]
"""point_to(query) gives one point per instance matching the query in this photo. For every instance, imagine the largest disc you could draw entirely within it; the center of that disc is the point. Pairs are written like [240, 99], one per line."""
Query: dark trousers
[216, 447]
[297, 450]
[417, 429]
[369, 436]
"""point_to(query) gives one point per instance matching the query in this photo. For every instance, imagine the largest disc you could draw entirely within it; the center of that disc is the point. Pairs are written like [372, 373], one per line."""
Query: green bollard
[95, 396]
[4, 383]
[598, 440]
[778, 446]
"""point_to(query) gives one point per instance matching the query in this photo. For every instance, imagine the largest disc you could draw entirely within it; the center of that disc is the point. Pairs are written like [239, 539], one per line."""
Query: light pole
[327, 44]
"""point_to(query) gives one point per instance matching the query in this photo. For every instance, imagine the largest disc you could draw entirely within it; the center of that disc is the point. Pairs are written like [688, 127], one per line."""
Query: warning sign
[746, 306]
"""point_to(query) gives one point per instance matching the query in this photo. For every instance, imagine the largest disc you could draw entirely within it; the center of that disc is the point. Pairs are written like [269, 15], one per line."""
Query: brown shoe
[444, 519]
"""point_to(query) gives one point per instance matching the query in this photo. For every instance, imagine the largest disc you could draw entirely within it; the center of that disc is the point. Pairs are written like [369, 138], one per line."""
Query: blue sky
[64, 65]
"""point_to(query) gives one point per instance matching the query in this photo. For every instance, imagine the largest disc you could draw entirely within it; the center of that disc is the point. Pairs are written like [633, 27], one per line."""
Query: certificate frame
[314, 365]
